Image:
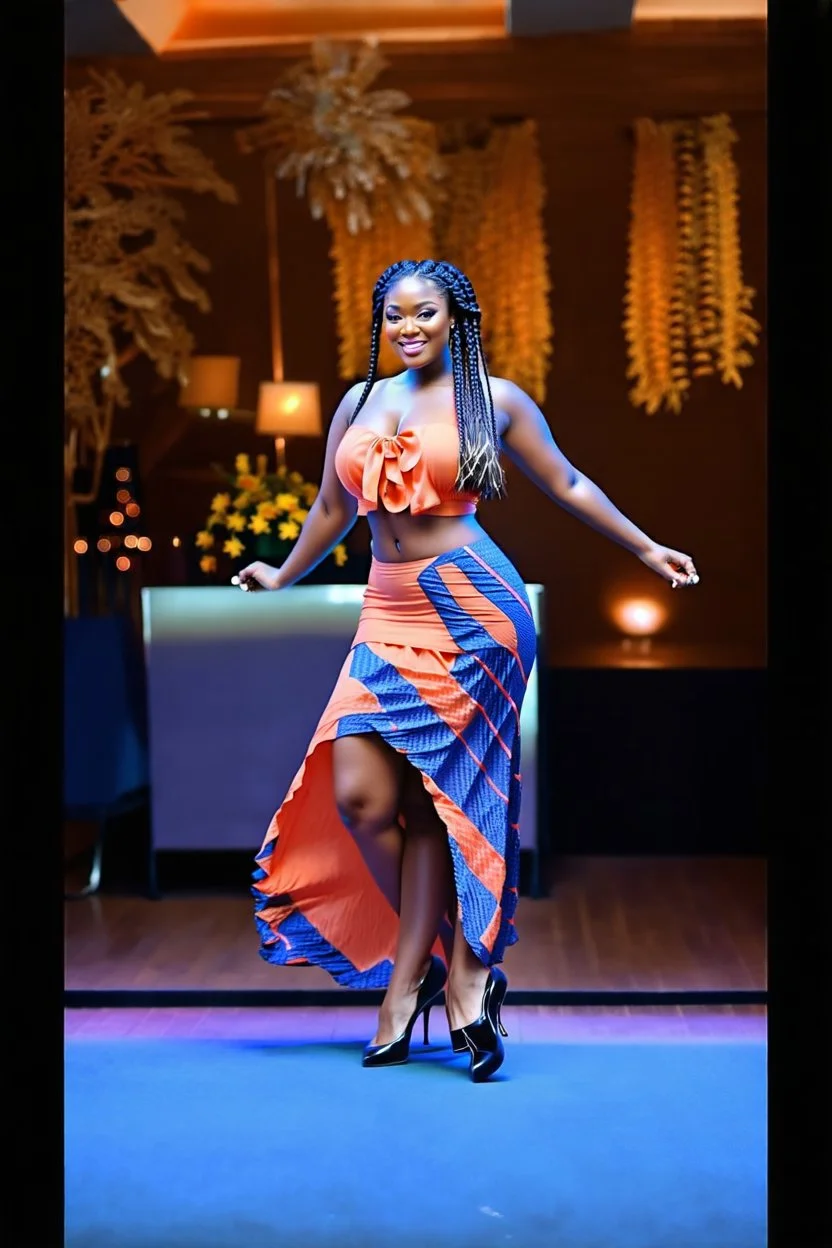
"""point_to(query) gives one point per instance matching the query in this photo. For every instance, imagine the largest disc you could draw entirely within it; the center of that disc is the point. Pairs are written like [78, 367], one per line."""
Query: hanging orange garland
[493, 230]
[685, 303]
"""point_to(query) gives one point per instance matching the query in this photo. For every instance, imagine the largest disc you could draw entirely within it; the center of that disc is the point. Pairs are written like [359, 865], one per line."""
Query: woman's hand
[672, 565]
[257, 576]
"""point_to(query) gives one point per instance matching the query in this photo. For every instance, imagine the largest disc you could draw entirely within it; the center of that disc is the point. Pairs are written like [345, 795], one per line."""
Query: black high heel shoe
[482, 1038]
[397, 1051]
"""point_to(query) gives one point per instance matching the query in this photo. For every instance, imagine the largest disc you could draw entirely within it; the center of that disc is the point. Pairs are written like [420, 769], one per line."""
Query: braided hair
[479, 456]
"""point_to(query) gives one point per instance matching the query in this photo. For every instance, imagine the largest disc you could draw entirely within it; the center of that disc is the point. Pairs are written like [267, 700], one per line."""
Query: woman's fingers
[247, 578]
[681, 570]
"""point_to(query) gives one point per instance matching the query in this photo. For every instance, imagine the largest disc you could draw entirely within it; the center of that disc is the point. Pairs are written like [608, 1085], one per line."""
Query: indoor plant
[258, 516]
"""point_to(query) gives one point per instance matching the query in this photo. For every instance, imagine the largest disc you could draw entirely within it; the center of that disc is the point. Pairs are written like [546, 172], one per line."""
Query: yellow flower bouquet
[258, 516]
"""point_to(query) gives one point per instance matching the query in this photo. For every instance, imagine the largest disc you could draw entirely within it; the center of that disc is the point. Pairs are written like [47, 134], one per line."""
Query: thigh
[367, 777]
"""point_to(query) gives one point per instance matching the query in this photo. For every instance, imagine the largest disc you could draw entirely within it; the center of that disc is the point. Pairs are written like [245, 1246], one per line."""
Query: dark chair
[105, 727]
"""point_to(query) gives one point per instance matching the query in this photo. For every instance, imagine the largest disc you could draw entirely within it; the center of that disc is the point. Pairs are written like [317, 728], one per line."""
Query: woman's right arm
[330, 518]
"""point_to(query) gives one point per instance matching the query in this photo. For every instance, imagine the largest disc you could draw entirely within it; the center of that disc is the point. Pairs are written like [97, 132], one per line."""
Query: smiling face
[416, 321]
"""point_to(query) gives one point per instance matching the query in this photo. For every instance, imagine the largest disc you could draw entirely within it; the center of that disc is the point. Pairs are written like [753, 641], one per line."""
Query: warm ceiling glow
[176, 541]
[639, 617]
[145, 543]
[131, 540]
[205, 27]
[123, 563]
[103, 545]
[133, 509]
[155, 20]
[122, 474]
[194, 26]
[80, 547]
[116, 518]
[123, 496]
[699, 10]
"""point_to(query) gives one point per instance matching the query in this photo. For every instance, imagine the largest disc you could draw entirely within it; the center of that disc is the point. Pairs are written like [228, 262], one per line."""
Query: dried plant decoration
[391, 186]
[343, 144]
[126, 264]
[687, 309]
[370, 172]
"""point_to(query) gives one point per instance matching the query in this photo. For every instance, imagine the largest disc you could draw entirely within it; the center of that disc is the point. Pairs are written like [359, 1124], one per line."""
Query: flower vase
[270, 548]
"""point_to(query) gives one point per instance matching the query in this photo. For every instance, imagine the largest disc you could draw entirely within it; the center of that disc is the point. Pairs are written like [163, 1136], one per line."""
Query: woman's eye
[428, 313]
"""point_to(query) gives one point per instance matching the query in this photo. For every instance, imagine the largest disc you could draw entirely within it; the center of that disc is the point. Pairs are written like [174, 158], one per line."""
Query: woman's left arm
[528, 441]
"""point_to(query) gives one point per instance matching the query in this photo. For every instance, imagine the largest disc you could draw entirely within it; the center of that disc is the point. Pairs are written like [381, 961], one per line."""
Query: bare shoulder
[349, 402]
[510, 402]
[343, 413]
[507, 394]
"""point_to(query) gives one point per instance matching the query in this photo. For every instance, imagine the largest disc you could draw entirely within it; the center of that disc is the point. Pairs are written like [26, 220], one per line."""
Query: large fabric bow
[394, 474]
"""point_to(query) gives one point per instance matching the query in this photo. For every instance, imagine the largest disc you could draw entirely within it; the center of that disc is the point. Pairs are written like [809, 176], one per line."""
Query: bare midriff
[400, 537]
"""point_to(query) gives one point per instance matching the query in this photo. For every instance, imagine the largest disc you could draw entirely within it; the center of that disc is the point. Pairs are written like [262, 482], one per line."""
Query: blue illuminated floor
[230, 1139]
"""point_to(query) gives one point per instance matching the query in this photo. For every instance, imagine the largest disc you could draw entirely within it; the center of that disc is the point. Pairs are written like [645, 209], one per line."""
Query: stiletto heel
[426, 1018]
[397, 1051]
[482, 1038]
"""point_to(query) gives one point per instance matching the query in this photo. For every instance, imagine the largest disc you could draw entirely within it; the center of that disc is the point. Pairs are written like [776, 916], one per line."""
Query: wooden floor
[647, 924]
[527, 1024]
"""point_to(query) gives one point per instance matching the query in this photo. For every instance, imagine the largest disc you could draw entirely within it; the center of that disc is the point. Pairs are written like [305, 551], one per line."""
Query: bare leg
[466, 982]
[367, 776]
[413, 869]
[446, 935]
[426, 896]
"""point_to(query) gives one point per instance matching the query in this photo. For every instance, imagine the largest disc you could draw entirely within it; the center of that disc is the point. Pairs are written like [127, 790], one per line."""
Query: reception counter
[236, 685]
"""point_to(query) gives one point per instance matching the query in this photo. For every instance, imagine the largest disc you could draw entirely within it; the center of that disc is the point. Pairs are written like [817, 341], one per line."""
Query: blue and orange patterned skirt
[438, 668]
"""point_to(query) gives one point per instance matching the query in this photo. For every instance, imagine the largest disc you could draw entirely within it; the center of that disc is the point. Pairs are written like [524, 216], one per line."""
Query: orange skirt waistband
[397, 610]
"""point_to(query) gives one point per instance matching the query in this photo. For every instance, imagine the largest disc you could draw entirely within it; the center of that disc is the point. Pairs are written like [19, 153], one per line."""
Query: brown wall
[696, 481]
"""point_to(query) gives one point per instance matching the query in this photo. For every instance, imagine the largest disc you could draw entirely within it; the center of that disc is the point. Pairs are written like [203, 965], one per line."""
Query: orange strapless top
[416, 468]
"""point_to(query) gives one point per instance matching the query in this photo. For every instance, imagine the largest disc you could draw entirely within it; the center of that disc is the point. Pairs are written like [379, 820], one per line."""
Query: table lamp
[213, 385]
[288, 409]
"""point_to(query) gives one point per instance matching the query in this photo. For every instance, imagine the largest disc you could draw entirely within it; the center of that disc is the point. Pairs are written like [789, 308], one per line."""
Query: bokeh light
[639, 617]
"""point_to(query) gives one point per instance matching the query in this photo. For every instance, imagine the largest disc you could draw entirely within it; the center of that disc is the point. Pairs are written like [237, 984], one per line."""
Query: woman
[398, 839]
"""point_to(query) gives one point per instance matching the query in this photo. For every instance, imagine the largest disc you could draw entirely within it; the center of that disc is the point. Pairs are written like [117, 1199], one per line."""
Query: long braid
[479, 454]
[379, 291]
[375, 343]
[492, 414]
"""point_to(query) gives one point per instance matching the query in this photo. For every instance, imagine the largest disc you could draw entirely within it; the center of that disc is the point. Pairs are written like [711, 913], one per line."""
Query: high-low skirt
[438, 668]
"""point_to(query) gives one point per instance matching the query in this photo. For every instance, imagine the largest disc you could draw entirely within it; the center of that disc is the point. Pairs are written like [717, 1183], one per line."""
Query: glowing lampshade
[289, 409]
[213, 383]
[639, 617]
